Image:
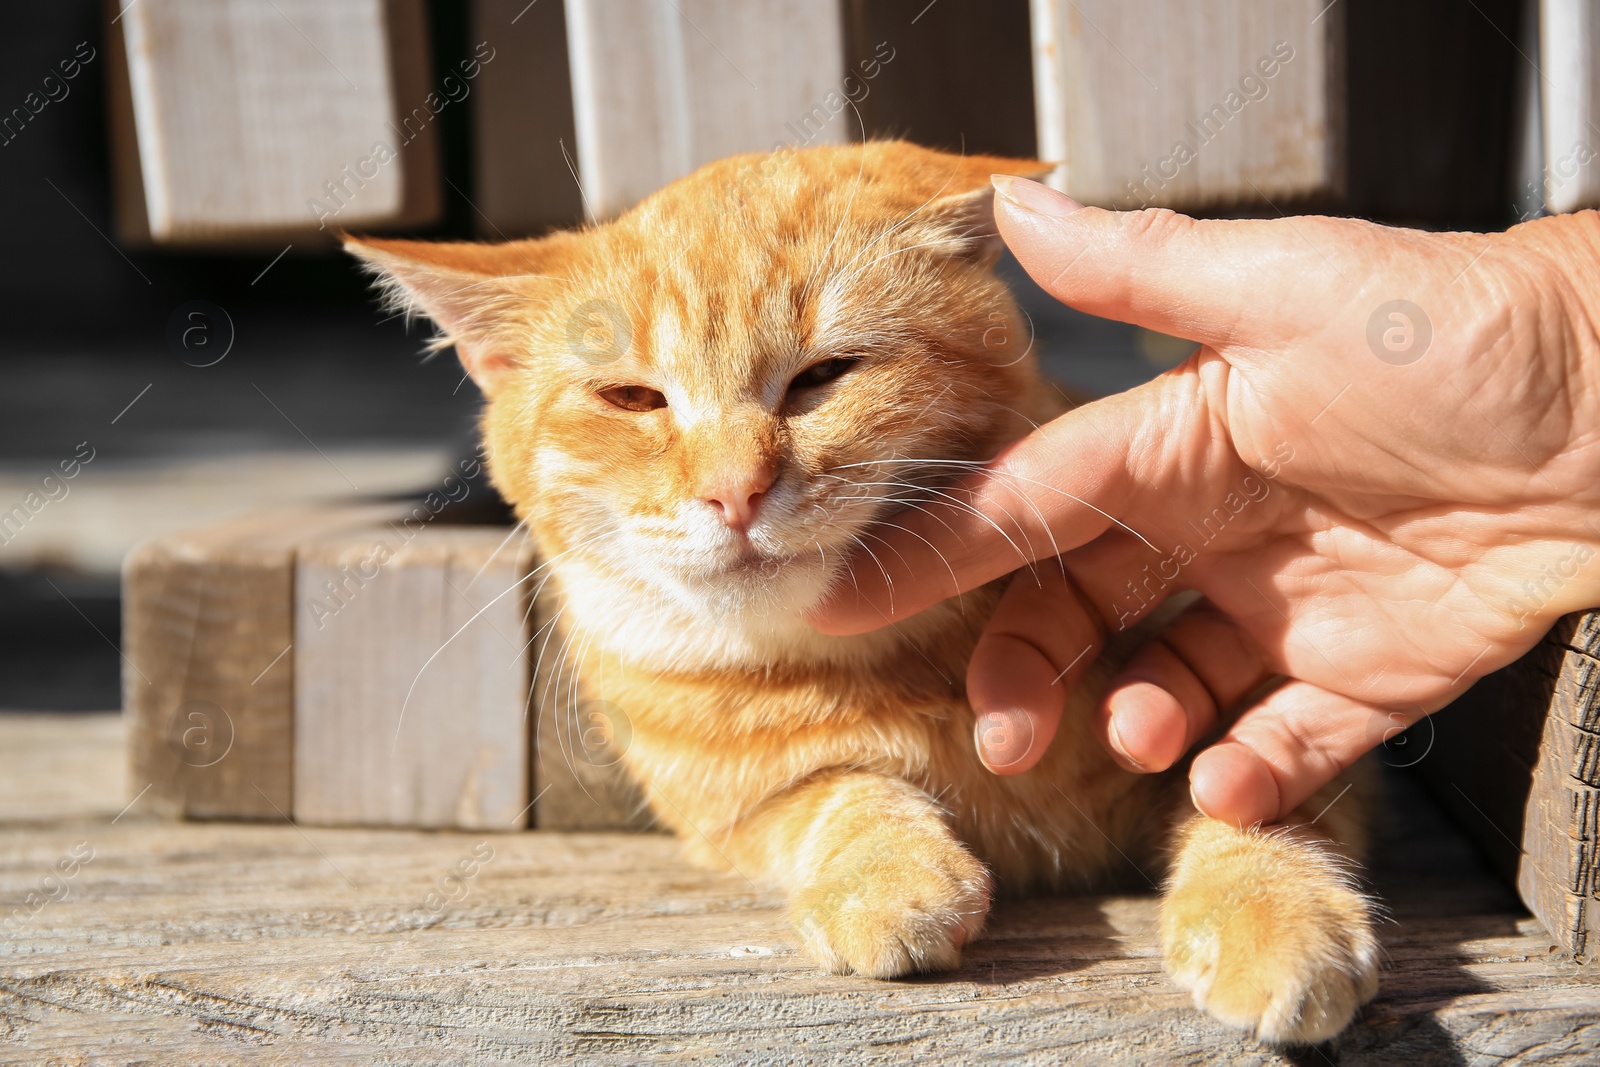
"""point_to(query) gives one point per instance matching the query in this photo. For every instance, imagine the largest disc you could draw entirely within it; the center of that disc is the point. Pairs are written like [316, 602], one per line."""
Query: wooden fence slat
[246, 114]
[1569, 93]
[1187, 105]
[411, 682]
[1517, 760]
[580, 740]
[521, 122]
[660, 87]
[268, 659]
[207, 679]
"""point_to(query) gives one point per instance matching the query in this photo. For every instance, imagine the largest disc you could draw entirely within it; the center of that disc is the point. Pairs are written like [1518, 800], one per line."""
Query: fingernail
[1031, 196]
[1116, 742]
[1003, 737]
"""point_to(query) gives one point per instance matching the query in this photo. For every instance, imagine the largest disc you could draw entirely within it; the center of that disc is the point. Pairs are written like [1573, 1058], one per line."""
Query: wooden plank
[1526, 147]
[1569, 45]
[236, 658]
[247, 116]
[63, 765]
[411, 684]
[116, 505]
[581, 738]
[1187, 105]
[522, 128]
[660, 87]
[1517, 760]
[452, 947]
[207, 680]
[129, 218]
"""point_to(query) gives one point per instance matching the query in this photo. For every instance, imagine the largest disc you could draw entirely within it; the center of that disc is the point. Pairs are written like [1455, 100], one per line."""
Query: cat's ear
[471, 291]
[964, 221]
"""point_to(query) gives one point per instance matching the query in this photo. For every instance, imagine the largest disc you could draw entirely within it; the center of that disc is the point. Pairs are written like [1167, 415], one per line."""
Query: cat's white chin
[745, 614]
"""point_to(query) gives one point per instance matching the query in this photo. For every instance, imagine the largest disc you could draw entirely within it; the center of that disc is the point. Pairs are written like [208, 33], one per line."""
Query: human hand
[1380, 509]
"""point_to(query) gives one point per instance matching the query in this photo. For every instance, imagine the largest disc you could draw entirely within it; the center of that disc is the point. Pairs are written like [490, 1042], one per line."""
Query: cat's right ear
[472, 292]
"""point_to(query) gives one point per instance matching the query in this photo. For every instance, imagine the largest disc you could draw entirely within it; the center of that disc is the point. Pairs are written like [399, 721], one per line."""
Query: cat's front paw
[1279, 943]
[887, 906]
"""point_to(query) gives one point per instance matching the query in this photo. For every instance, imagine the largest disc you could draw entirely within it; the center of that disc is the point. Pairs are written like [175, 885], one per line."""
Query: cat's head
[702, 408]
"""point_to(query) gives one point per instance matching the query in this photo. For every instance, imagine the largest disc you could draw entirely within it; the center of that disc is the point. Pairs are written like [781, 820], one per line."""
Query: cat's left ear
[473, 292]
[964, 221]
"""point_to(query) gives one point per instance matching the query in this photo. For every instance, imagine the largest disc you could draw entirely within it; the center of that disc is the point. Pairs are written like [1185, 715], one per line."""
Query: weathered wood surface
[1569, 95]
[660, 87]
[268, 660]
[208, 661]
[1525, 781]
[522, 122]
[1189, 105]
[242, 113]
[579, 742]
[218, 944]
[411, 681]
[62, 766]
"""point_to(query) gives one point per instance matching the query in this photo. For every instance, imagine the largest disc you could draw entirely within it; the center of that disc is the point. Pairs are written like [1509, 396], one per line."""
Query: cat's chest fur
[710, 746]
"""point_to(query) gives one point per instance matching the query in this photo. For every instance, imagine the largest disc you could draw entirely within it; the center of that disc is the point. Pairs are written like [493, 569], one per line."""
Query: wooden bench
[219, 943]
[375, 665]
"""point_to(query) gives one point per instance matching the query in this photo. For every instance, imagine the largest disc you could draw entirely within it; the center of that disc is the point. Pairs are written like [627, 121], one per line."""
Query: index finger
[1060, 487]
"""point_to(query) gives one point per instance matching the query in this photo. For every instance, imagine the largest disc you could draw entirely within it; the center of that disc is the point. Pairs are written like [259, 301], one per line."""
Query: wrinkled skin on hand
[1378, 503]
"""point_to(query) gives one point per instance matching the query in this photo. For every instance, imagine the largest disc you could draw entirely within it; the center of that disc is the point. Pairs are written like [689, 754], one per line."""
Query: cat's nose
[736, 499]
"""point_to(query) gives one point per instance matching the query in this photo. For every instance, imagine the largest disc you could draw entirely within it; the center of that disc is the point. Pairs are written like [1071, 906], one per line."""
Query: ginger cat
[700, 410]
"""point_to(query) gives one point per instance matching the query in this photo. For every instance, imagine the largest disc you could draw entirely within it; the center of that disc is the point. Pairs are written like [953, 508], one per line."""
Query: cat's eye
[823, 373]
[633, 398]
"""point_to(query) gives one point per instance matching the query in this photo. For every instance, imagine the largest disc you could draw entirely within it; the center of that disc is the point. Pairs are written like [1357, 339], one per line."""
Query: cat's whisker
[400, 719]
[1062, 492]
[887, 580]
[906, 459]
[904, 248]
[955, 582]
[906, 219]
[549, 628]
[844, 216]
[1029, 481]
[573, 702]
[950, 500]
[518, 527]
[565, 714]
[532, 604]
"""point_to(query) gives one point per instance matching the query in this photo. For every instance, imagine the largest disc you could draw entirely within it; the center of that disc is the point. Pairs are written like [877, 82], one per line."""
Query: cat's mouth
[748, 561]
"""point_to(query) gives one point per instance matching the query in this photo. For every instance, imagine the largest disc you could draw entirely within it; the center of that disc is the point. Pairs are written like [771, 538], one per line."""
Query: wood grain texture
[411, 683]
[63, 765]
[244, 112]
[522, 122]
[660, 87]
[1517, 760]
[1569, 45]
[1558, 873]
[208, 672]
[221, 944]
[580, 739]
[1189, 105]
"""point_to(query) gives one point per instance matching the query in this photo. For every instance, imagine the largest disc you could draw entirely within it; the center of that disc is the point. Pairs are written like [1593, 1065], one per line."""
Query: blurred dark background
[319, 383]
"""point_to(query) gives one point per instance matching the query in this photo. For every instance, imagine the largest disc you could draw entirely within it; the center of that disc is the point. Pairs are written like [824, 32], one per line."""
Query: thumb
[1217, 282]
